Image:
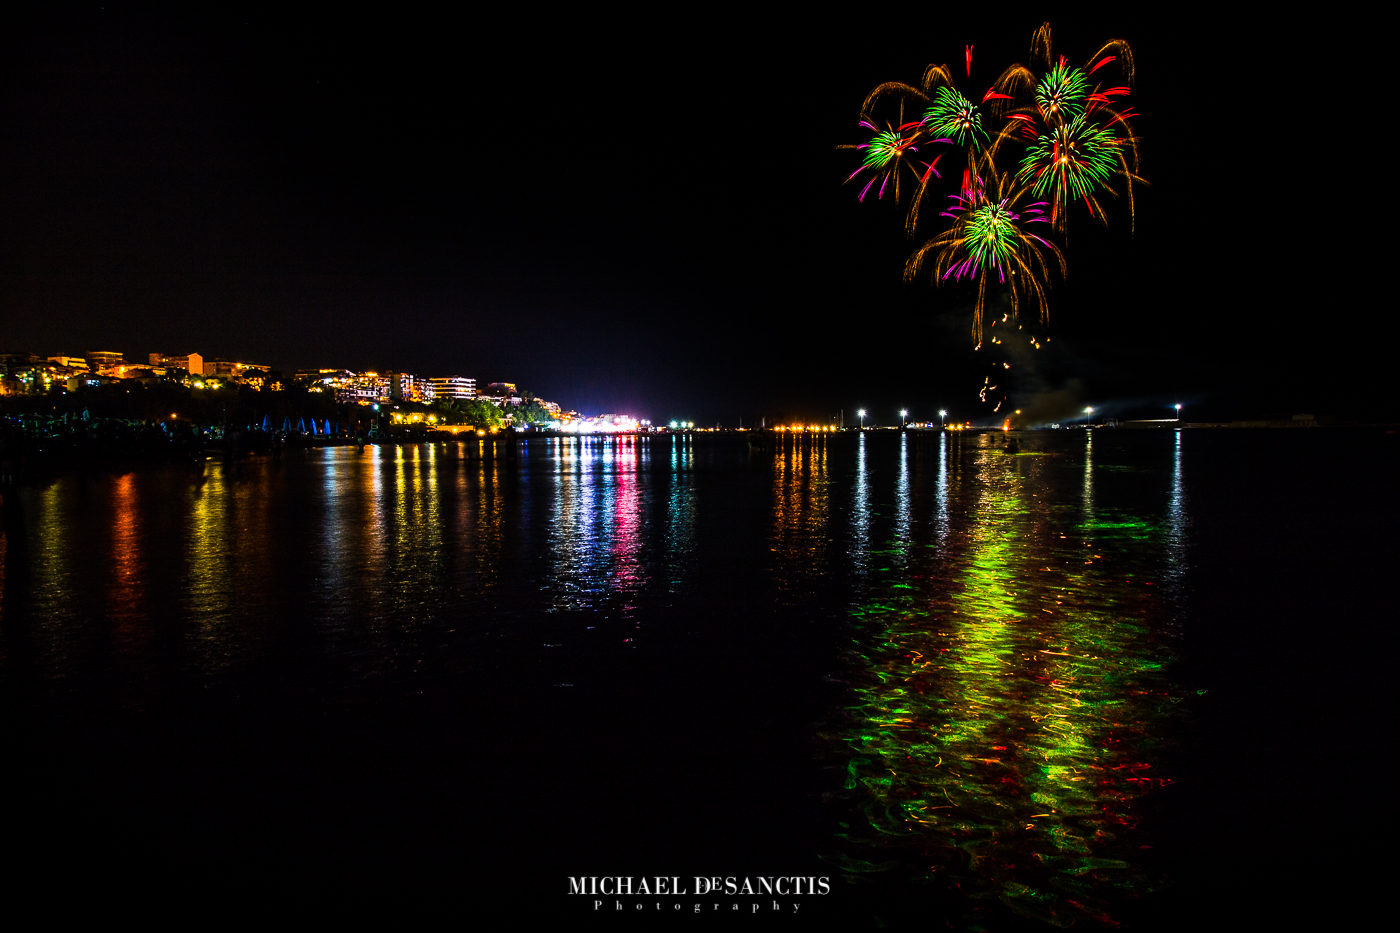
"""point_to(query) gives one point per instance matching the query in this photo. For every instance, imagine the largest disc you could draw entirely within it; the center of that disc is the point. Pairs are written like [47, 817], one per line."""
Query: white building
[459, 387]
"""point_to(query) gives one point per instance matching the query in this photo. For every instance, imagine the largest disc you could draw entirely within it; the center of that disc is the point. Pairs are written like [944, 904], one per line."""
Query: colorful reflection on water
[1005, 669]
[801, 513]
[1006, 692]
[598, 516]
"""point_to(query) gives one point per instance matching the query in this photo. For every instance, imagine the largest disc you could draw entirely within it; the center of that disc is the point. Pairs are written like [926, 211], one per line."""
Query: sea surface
[1096, 678]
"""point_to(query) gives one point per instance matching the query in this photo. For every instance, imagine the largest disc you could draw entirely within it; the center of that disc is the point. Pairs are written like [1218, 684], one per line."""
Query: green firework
[954, 116]
[990, 235]
[1063, 93]
[1070, 161]
[885, 148]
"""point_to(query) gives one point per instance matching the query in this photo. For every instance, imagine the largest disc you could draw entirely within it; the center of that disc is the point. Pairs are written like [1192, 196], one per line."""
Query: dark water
[1106, 679]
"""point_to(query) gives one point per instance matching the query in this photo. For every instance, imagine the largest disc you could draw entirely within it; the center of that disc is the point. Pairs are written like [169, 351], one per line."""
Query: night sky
[645, 215]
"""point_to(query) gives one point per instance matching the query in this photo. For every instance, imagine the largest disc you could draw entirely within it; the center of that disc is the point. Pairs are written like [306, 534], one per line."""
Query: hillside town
[71, 409]
[402, 396]
[28, 374]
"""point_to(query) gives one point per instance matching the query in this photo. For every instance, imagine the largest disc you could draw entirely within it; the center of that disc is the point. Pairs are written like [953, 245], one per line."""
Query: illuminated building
[602, 424]
[99, 360]
[234, 369]
[191, 363]
[364, 387]
[406, 387]
[453, 386]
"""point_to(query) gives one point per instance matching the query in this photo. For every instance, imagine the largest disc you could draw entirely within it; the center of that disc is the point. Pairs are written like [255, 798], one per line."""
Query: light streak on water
[859, 553]
[994, 715]
[1003, 700]
[903, 504]
[801, 512]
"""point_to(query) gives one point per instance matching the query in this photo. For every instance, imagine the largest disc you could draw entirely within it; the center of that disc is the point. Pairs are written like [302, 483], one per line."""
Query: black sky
[643, 214]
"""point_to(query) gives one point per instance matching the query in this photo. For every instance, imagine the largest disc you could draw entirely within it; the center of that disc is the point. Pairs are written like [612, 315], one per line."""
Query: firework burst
[1063, 92]
[1078, 141]
[989, 242]
[1071, 161]
[890, 155]
[955, 117]
[1036, 143]
[949, 117]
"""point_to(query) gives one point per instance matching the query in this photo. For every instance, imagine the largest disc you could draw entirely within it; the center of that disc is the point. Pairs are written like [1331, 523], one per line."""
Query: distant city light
[603, 424]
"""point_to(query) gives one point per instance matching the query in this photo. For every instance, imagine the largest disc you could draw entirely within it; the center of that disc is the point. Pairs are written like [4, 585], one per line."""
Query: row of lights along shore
[904, 420]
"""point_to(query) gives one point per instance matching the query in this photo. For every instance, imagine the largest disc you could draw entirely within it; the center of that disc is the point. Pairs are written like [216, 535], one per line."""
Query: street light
[1087, 413]
[902, 415]
[941, 415]
[1178, 411]
[861, 412]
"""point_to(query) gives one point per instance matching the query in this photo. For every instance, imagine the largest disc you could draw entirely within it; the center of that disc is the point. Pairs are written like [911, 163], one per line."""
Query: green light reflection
[1005, 697]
